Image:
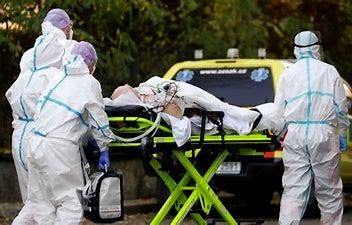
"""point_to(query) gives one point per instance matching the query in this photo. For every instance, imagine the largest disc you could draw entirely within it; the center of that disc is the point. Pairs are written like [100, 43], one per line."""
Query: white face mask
[93, 71]
[70, 36]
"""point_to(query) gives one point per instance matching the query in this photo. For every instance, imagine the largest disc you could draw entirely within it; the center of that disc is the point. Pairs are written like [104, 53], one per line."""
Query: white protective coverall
[37, 66]
[70, 105]
[312, 101]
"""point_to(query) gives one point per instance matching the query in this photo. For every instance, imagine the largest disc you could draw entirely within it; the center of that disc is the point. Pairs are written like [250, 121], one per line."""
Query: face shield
[93, 70]
[70, 35]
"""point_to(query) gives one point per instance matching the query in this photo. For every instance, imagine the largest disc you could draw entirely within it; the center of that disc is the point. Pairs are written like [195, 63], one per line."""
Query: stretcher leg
[202, 186]
[196, 194]
[200, 191]
[177, 197]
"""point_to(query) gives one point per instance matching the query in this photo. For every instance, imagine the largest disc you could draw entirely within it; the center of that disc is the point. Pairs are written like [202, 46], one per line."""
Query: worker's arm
[280, 104]
[97, 118]
[340, 102]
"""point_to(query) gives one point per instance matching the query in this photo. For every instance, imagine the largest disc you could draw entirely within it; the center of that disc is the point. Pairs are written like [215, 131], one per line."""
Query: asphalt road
[239, 211]
[142, 211]
[145, 210]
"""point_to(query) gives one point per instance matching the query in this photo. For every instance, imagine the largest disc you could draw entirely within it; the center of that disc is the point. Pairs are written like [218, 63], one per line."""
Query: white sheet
[270, 120]
[236, 118]
[181, 128]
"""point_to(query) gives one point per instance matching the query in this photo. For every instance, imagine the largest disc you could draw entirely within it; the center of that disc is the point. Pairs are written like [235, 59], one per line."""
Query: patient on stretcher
[170, 98]
[171, 107]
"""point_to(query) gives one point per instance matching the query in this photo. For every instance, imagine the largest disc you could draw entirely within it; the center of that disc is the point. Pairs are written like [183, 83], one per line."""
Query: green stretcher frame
[201, 191]
[192, 181]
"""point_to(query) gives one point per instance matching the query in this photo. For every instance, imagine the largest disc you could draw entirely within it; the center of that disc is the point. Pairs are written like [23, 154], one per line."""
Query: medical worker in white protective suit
[312, 101]
[37, 67]
[71, 104]
[60, 20]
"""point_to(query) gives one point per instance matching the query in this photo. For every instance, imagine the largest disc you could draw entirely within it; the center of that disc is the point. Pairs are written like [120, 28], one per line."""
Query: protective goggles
[305, 46]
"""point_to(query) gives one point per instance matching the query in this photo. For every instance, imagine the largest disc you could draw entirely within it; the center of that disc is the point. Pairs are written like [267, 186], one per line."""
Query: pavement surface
[142, 211]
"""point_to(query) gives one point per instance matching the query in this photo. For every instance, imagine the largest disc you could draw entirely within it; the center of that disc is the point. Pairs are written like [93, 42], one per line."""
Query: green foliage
[136, 39]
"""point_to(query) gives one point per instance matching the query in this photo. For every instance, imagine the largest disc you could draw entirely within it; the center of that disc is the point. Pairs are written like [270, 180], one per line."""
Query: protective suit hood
[48, 28]
[68, 48]
[48, 49]
[46, 52]
[307, 45]
[75, 65]
[27, 60]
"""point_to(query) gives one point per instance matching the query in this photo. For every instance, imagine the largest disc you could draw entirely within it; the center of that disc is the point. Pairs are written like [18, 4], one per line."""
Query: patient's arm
[174, 110]
[120, 90]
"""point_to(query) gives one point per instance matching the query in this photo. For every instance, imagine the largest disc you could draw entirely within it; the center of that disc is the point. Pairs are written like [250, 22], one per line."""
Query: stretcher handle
[202, 127]
[257, 120]
[210, 115]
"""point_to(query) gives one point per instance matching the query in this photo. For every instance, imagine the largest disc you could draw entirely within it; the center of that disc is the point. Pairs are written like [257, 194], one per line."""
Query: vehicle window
[245, 87]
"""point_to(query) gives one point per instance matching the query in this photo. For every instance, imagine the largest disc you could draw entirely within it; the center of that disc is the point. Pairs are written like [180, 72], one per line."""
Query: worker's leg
[66, 178]
[297, 180]
[38, 200]
[328, 184]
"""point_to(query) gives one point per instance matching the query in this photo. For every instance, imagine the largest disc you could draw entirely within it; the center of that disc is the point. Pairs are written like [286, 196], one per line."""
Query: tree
[139, 38]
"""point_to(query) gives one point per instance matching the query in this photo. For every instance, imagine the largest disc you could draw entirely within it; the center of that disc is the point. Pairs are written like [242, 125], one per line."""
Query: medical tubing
[155, 124]
[171, 98]
[156, 130]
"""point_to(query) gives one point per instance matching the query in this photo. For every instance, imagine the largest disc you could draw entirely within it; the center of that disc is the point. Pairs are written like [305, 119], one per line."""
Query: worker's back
[62, 112]
[309, 91]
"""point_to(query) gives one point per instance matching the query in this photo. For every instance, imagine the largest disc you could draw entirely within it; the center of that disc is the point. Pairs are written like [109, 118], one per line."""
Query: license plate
[229, 168]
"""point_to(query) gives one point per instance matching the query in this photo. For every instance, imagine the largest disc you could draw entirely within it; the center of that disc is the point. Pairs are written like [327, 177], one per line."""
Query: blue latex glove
[343, 143]
[104, 160]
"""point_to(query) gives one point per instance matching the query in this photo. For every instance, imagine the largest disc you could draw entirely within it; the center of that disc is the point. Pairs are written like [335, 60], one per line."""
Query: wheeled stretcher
[186, 170]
